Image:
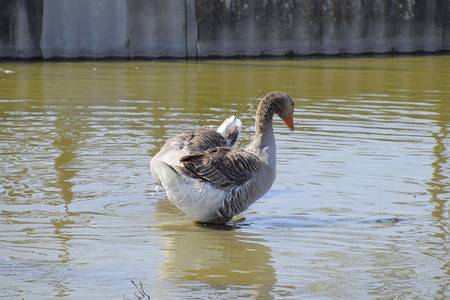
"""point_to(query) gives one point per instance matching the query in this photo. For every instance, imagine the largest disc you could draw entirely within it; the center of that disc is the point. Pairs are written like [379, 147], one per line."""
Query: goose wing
[198, 140]
[222, 166]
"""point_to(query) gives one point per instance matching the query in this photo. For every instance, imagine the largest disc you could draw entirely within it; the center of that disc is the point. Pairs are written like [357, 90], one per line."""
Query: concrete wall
[202, 28]
[20, 28]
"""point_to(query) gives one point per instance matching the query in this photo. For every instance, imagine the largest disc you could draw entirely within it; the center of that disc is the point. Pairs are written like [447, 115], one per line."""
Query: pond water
[359, 209]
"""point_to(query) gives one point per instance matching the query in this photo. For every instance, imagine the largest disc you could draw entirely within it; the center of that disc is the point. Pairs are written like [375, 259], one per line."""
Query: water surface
[359, 209]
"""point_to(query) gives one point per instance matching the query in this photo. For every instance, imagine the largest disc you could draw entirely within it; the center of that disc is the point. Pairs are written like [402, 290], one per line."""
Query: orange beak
[290, 121]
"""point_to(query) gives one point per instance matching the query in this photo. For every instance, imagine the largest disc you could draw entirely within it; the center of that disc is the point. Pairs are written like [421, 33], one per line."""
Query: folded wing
[223, 167]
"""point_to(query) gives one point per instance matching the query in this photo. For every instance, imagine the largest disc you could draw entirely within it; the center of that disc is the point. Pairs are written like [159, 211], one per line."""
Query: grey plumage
[221, 166]
[213, 181]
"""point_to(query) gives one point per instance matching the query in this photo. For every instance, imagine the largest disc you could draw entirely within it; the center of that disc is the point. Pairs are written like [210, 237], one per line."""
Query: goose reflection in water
[199, 257]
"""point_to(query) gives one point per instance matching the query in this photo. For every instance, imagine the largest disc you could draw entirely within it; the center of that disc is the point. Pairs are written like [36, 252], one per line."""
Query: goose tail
[230, 129]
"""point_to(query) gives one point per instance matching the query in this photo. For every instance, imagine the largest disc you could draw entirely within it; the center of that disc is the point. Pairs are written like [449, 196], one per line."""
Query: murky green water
[359, 210]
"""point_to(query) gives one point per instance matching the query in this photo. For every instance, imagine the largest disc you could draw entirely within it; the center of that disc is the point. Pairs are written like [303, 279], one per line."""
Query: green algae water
[359, 209]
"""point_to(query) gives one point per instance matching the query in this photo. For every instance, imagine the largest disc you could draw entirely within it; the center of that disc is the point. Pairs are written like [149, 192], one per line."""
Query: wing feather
[221, 166]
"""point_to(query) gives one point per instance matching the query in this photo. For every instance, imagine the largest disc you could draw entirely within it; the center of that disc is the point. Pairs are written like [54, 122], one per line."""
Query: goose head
[279, 103]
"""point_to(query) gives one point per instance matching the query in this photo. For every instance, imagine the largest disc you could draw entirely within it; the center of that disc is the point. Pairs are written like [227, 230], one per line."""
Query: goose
[208, 179]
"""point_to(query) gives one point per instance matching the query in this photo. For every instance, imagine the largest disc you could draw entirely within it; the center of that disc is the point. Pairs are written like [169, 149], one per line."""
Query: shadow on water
[284, 222]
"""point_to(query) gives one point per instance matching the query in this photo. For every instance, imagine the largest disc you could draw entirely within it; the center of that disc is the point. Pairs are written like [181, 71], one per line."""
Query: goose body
[210, 181]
